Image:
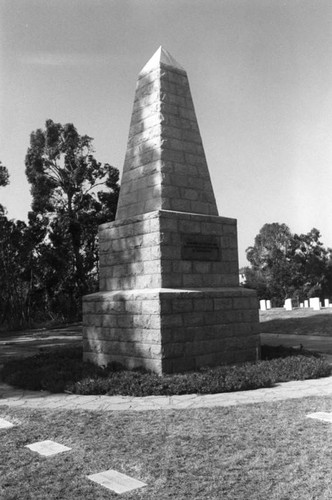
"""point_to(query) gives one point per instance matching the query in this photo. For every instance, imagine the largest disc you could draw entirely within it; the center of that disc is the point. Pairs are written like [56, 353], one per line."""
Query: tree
[4, 175]
[13, 258]
[313, 265]
[4, 181]
[74, 193]
[19, 270]
[288, 265]
[271, 262]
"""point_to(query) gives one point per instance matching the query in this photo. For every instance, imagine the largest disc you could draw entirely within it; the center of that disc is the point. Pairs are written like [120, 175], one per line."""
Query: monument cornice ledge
[129, 220]
[203, 217]
[148, 293]
[169, 214]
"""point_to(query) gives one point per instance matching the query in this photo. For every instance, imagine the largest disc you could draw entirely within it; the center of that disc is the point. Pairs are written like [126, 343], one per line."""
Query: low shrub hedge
[64, 371]
[208, 381]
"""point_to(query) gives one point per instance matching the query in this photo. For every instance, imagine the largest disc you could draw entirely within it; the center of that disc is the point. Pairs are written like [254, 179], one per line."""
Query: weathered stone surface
[169, 295]
[164, 133]
[193, 325]
[151, 252]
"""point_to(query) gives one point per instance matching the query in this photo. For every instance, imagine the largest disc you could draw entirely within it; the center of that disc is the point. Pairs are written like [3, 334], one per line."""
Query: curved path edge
[16, 398]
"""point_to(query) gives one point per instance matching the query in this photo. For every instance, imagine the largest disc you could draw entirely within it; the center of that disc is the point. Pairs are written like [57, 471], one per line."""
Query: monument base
[171, 330]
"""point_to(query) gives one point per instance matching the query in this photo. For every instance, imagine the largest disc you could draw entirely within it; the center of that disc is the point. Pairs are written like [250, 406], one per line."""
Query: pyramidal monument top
[161, 56]
[165, 166]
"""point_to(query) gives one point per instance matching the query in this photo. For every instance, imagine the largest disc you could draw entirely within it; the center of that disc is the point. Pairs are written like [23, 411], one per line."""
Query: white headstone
[306, 303]
[326, 303]
[268, 304]
[301, 305]
[47, 448]
[315, 303]
[288, 305]
[115, 481]
[262, 305]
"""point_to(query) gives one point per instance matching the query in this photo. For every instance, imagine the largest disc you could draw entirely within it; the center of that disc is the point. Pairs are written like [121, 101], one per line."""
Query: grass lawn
[262, 451]
[297, 322]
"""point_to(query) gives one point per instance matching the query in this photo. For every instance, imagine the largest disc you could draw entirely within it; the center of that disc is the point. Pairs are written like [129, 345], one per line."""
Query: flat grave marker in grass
[116, 481]
[47, 448]
[4, 424]
[322, 415]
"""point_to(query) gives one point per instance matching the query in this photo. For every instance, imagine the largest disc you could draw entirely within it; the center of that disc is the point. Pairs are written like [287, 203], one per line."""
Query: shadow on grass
[64, 371]
[316, 324]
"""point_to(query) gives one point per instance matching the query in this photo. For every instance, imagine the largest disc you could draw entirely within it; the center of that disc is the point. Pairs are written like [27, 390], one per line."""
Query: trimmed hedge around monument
[64, 371]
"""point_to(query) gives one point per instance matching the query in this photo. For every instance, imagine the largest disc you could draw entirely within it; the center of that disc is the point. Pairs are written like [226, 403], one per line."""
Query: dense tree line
[286, 265]
[48, 263]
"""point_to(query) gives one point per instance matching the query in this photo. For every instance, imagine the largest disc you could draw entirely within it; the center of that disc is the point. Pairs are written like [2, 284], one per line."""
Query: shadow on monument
[169, 294]
[120, 331]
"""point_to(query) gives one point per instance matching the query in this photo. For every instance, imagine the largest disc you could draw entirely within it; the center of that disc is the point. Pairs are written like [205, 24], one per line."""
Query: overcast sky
[260, 73]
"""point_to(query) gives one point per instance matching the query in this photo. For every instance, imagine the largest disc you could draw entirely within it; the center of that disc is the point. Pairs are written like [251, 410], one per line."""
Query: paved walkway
[42, 400]
[29, 343]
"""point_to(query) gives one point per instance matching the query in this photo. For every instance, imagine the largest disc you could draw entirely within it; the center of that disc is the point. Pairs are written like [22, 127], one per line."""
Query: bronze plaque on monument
[200, 247]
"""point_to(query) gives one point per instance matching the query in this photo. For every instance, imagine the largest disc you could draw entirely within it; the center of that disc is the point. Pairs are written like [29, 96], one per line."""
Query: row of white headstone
[264, 305]
[316, 304]
[313, 303]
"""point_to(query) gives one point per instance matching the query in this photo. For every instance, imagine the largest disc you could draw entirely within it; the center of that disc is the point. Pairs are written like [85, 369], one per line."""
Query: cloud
[58, 59]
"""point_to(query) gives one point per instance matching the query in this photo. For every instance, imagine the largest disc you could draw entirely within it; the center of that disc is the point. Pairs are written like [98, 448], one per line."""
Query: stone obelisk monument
[169, 295]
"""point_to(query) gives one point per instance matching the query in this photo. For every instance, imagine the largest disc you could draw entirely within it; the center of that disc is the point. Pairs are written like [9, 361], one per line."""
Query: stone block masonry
[165, 165]
[167, 330]
[165, 249]
[169, 295]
